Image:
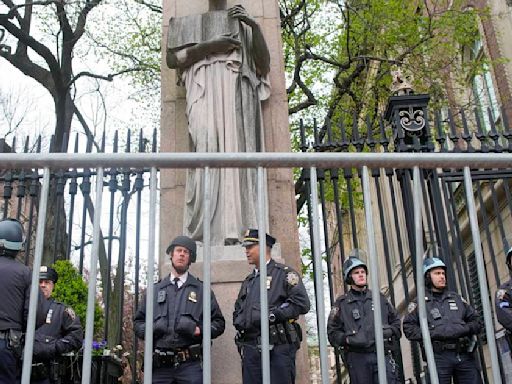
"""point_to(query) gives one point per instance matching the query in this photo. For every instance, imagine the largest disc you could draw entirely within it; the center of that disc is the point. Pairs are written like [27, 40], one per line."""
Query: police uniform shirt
[287, 298]
[449, 317]
[16, 282]
[180, 279]
[61, 332]
[177, 312]
[503, 305]
[351, 321]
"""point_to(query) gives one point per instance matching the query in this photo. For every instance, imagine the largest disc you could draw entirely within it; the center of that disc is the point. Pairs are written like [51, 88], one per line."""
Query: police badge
[192, 296]
[292, 278]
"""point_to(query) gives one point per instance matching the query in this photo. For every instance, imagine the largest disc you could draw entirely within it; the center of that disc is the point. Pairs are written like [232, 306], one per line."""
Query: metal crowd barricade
[260, 161]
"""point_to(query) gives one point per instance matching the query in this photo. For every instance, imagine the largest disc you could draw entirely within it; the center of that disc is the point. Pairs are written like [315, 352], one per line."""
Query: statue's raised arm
[260, 52]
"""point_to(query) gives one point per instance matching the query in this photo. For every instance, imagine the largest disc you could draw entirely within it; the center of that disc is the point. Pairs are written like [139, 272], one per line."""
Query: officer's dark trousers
[363, 368]
[282, 364]
[462, 367]
[7, 365]
[189, 372]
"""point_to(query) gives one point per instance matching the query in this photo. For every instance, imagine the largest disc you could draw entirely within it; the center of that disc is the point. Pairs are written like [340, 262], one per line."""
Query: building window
[483, 93]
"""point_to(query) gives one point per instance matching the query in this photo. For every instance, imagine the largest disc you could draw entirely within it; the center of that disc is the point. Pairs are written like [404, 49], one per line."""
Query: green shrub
[71, 289]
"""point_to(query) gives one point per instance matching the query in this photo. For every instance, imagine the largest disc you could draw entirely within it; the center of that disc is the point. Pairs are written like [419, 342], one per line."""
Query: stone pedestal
[229, 266]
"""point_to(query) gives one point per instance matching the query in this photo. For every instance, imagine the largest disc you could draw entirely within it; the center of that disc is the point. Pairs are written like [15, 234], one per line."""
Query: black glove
[387, 332]
[277, 316]
[61, 346]
[44, 348]
[358, 339]
[159, 329]
[186, 325]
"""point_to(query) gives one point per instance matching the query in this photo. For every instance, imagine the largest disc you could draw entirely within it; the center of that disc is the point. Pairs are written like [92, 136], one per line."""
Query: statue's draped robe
[224, 97]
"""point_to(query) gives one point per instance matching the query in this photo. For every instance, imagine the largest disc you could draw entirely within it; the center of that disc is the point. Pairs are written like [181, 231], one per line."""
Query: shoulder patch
[334, 311]
[411, 307]
[500, 294]
[292, 278]
[70, 313]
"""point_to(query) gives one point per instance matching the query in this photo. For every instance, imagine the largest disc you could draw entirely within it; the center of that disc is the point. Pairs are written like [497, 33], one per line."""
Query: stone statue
[223, 61]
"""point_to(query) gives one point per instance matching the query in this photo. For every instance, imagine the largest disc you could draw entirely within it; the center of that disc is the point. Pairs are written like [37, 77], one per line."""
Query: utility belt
[13, 341]
[281, 333]
[52, 370]
[176, 356]
[460, 346]
[389, 347]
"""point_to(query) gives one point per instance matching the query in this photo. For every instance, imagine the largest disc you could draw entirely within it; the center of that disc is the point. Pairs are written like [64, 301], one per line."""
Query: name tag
[49, 316]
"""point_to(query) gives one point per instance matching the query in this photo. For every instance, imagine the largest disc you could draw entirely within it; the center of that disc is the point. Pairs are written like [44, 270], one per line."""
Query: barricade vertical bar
[482, 278]
[262, 228]
[34, 294]
[148, 332]
[374, 275]
[420, 279]
[91, 293]
[207, 312]
[319, 281]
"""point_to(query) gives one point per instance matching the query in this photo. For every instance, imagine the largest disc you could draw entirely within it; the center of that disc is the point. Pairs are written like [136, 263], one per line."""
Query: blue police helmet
[508, 255]
[186, 242]
[431, 263]
[11, 236]
[351, 263]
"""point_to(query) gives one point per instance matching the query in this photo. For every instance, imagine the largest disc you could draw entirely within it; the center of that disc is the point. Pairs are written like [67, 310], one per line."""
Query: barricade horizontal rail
[246, 160]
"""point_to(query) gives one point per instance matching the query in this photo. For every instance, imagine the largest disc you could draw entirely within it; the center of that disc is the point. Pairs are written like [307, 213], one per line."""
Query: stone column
[229, 266]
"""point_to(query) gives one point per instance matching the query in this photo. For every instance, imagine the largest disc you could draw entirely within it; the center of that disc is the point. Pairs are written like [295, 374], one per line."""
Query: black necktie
[176, 279]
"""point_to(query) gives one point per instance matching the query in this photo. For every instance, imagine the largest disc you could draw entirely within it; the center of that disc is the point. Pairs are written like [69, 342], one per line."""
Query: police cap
[183, 241]
[11, 235]
[48, 273]
[431, 263]
[251, 236]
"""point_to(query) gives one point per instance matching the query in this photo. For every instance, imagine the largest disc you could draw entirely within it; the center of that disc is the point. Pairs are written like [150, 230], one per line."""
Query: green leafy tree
[71, 289]
[339, 56]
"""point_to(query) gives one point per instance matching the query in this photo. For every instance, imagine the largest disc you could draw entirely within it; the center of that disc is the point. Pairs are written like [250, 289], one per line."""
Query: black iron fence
[69, 225]
[406, 128]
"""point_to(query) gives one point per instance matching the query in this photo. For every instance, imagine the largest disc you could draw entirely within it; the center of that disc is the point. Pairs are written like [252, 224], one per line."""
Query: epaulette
[341, 298]
[197, 281]
[281, 266]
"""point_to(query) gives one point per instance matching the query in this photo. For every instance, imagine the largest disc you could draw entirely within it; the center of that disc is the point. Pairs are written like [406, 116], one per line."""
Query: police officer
[503, 302]
[287, 299]
[61, 333]
[15, 283]
[178, 319]
[351, 326]
[453, 326]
